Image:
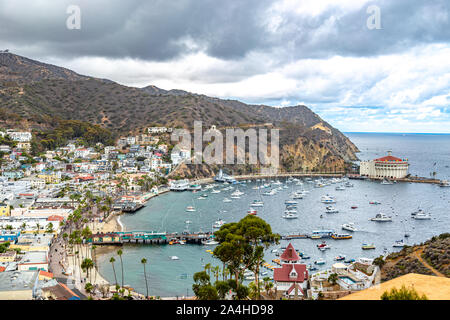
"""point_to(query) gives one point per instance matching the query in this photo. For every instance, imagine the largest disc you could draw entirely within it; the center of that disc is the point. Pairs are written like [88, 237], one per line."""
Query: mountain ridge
[35, 95]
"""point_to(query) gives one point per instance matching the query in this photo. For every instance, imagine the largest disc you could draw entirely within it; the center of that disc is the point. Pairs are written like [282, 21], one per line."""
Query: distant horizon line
[386, 132]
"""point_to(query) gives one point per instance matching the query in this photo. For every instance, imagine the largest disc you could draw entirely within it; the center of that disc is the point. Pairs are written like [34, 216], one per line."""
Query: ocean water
[170, 278]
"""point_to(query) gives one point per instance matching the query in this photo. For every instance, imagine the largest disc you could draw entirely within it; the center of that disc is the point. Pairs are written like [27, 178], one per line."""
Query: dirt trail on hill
[418, 255]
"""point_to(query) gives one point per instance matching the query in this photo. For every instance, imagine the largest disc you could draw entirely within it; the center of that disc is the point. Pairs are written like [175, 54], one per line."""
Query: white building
[81, 153]
[20, 136]
[177, 156]
[387, 167]
[158, 130]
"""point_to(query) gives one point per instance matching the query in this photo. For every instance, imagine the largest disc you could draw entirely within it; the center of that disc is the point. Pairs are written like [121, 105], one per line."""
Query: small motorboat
[354, 207]
[190, 209]
[399, 244]
[323, 246]
[174, 258]
[320, 262]
[331, 209]
[366, 246]
[339, 258]
[252, 212]
[350, 261]
[226, 200]
[218, 224]
[374, 202]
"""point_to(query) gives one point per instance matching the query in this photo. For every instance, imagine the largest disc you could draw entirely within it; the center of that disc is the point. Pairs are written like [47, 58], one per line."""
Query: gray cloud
[159, 30]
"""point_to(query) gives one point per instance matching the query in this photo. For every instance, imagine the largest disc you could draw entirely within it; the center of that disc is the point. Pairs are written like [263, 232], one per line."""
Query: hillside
[431, 258]
[35, 95]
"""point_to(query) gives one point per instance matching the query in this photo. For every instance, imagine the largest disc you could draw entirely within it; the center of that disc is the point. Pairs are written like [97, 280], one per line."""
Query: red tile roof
[55, 218]
[46, 274]
[388, 158]
[290, 254]
[2, 269]
[282, 274]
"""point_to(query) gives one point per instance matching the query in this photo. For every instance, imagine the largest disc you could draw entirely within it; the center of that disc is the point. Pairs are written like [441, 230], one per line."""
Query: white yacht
[226, 200]
[288, 215]
[237, 193]
[380, 217]
[349, 226]
[257, 203]
[290, 202]
[331, 209]
[327, 199]
[209, 242]
[340, 188]
[215, 191]
[297, 195]
[422, 216]
[174, 258]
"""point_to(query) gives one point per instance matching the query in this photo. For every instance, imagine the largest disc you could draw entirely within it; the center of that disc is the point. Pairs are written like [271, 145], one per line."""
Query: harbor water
[167, 213]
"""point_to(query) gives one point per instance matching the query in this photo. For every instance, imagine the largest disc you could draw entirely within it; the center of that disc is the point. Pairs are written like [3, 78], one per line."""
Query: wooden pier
[146, 237]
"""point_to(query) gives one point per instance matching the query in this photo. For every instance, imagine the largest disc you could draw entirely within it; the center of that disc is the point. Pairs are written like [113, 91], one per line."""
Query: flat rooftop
[435, 288]
[34, 257]
[17, 280]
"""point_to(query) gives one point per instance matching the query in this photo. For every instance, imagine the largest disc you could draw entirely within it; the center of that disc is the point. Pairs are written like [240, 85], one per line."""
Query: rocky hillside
[431, 258]
[35, 95]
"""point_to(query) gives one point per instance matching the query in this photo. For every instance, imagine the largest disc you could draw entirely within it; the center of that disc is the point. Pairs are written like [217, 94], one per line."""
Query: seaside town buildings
[389, 167]
[36, 199]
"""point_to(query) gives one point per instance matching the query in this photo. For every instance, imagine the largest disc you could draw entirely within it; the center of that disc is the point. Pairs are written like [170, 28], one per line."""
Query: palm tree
[144, 261]
[89, 287]
[87, 264]
[112, 260]
[208, 268]
[119, 252]
[94, 258]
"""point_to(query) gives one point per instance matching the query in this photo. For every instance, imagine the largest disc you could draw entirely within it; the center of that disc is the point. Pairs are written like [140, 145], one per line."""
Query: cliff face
[37, 96]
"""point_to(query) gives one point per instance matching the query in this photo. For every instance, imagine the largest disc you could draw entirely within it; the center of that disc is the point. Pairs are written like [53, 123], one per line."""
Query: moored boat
[380, 217]
[349, 227]
[190, 209]
[341, 236]
[366, 246]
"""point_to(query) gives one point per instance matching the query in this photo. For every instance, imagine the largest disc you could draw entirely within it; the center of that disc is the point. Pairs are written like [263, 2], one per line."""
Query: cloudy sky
[320, 53]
